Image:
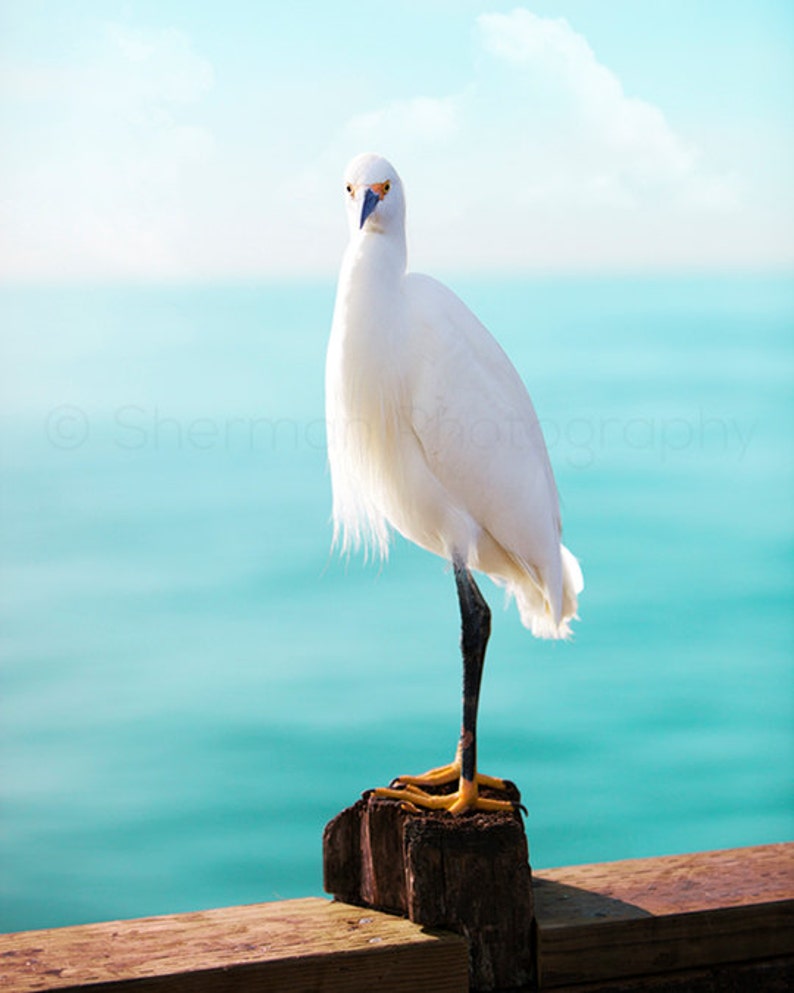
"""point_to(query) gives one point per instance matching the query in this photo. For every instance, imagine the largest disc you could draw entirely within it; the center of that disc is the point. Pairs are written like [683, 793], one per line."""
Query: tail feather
[535, 607]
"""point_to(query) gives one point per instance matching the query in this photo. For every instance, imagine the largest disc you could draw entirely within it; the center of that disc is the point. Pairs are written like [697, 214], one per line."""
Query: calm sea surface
[192, 686]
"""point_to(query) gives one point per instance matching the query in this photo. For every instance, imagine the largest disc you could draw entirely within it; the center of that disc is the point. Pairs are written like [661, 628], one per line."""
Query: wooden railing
[708, 922]
[698, 923]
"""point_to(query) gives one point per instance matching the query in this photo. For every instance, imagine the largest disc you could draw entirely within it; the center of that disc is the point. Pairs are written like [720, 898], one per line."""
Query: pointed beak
[371, 201]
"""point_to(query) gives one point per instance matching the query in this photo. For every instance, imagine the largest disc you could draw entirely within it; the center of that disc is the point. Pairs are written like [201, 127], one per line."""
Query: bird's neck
[375, 256]
[369, 305]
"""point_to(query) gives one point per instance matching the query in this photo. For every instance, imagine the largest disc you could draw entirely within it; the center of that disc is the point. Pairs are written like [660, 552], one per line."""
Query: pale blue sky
[174, 140]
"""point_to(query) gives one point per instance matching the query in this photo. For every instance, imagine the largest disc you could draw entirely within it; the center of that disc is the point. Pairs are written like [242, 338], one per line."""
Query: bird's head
[374, 195]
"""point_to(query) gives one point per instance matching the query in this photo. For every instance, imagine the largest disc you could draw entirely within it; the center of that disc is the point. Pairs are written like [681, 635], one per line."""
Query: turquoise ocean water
[192, 686]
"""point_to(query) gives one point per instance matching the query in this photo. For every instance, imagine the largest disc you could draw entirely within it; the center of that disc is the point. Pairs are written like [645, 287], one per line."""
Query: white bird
[431, 432]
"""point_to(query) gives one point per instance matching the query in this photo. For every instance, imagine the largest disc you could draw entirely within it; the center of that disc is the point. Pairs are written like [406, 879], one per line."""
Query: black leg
[475, 617]
[419, 791]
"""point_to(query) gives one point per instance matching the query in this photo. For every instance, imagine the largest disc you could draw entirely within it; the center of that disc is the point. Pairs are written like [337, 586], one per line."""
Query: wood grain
[714, 922]
[294, 946]
[659, 915]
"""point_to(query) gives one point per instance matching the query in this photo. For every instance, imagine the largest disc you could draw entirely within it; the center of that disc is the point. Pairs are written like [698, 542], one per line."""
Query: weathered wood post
[469, 874]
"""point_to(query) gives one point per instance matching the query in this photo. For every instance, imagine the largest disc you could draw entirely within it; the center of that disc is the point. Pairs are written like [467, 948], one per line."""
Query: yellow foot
[445, 774]
[466, 797]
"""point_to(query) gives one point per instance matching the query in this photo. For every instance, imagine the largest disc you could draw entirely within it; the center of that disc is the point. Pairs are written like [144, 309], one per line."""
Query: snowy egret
[431, 432]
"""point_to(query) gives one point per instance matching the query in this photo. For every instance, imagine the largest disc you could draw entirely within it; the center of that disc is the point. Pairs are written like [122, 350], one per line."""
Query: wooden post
[467, 874]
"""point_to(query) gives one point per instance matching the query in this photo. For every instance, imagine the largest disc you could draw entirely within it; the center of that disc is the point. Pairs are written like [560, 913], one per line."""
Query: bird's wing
[477, 426]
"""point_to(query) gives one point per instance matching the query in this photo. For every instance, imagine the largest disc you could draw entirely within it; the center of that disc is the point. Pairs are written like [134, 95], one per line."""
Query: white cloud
[97, 191]
[421, 120]
[615, 144]
[159, 67]
[540, 159]
[543, 160]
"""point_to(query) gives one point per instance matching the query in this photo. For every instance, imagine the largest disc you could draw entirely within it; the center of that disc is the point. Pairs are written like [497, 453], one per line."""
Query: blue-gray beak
[371, 201]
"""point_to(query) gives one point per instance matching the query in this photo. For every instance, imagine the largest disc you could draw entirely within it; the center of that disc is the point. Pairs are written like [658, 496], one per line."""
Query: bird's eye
[349, 189]
[386, 186]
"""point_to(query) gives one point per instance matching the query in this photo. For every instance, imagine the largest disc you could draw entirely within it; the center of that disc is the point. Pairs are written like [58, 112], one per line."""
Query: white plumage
[431, 430]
